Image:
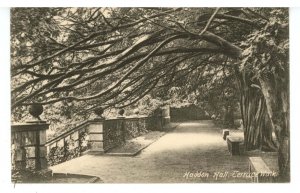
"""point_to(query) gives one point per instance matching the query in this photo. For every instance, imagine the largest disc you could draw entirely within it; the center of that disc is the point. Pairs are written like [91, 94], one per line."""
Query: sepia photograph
[150, 95]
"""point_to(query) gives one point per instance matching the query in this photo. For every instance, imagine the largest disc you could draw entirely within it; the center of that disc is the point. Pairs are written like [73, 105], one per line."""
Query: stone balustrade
[87, 136]
[104, 134]
[31, 150]
[99, 135]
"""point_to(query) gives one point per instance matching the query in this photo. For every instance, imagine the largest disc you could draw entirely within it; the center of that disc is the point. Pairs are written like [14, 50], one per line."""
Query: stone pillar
[95, 133]
[28, 142]
[166, 119]
[28, 145]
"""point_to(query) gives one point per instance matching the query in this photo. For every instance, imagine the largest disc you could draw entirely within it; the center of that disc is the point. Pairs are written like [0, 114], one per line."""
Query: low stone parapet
[99, 135]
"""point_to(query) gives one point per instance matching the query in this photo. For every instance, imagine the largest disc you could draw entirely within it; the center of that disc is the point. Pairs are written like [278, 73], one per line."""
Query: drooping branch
[122, 55]
[121, 64]
[204, 18]
[138, 65]
[229, 48]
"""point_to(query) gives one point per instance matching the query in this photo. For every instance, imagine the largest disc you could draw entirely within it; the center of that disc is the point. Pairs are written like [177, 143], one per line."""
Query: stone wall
[100, 135]
[117, 131]
[135, 127]
[113, 133]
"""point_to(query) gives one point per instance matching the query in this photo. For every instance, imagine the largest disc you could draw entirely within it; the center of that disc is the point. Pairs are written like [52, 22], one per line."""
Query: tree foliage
[106, 56]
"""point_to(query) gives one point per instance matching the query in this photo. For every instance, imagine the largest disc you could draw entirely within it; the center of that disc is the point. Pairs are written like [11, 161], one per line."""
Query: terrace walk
[193, 152]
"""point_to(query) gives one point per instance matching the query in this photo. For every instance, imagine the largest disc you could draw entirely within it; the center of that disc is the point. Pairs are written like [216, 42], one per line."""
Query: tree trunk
[257, 129]
[275, 91]
[256, 124]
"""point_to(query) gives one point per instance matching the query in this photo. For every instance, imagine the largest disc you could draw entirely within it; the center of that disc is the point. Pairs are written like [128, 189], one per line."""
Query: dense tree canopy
[83, 58]
[101, 54]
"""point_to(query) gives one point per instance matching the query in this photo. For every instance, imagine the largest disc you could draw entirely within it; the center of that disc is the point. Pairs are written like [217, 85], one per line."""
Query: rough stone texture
[131, 128]
[113, 133]
[134, 127]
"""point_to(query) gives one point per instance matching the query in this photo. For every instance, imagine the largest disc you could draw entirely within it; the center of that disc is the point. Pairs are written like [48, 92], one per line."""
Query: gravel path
[192, 153]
